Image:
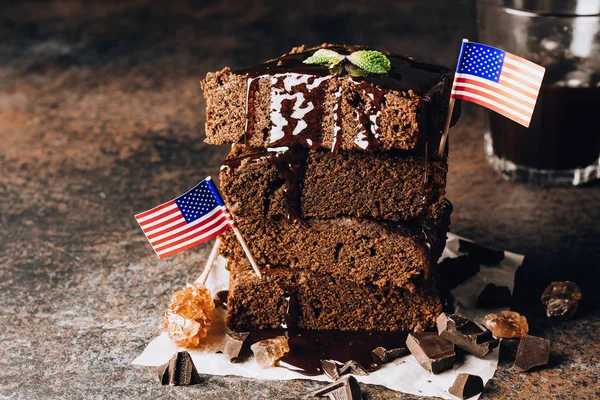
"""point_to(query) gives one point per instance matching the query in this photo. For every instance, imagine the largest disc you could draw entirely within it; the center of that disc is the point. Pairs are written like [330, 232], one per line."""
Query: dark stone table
[101, 116]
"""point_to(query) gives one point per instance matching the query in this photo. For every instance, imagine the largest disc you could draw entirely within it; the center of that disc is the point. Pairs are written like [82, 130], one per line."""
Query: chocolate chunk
[483, 255]
[466, 334]
[331, 368]
[233, 343]
[466, 386]
[532, 352]
[179, 371]
[561, 299]
[494, 297]
[456, 270]
[385, 356]
[433, 352]
[344, 389]
[352, 367]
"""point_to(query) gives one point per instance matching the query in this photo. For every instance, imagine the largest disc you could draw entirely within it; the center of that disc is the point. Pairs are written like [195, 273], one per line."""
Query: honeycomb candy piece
[268, 352]
[507, 324]
[561, 299]
[187, 318]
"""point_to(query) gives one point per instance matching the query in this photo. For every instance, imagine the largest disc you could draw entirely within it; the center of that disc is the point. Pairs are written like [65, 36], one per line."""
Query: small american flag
[497, 80]
[187, 221]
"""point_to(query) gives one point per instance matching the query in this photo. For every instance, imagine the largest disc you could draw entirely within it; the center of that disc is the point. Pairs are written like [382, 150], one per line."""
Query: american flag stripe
[161, 219]
[200, 235]
[508, 90]
[500, 81]
[518, 81]
[499, 93]
[207, 237]
[187, 221]
[190, 231]
[141, 217]
[495, 106]
[468, 81]
[177, 228]
[525, 66]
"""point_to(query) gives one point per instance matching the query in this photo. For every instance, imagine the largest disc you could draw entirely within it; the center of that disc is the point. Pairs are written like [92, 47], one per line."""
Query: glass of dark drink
[562, 144]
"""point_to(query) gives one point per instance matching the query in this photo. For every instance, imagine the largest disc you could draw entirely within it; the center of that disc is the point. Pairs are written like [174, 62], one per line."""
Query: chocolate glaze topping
[405, 73]
[298, 96]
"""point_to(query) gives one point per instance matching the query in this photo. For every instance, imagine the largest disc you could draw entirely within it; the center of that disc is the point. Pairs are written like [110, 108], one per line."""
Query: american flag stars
[482, 61]
[196, 203]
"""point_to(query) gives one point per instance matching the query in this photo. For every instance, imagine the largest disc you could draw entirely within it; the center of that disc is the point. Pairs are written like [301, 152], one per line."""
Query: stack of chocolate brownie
[334, 180]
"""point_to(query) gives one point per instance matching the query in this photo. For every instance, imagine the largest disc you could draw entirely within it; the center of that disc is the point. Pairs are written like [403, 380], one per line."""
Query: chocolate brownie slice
[325, 302]
[394, 186]
[285, 102]
[358, 250]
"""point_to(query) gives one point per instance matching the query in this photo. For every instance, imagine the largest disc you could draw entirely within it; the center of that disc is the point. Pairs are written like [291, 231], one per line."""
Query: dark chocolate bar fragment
[179, 371]
[466, 334]
[466, 386]
[431, 351]
[532, 352]
[494, 297]
[344, 389]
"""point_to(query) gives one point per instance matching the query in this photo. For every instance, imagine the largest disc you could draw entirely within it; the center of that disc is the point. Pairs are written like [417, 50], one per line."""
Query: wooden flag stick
[444, 137]
[239, 236]
[209, 263]
[446, 127]
[247, 251]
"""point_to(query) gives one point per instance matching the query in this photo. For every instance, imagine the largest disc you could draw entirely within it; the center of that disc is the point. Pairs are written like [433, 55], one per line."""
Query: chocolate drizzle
[290, 319]
[337, 122]
[296, 109]
[366, 112]
[251, 89]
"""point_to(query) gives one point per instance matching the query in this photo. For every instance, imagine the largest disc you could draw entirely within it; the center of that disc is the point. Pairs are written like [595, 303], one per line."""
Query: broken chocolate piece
[331, 368]
[532, 352]
[456, 270]
[179, 371]
[352, 367]
[267, 352]
[494, 297]
[483, 255]
[507, 324]
[466, 386]
[434, 353]
[466, 334]
[385, 356]
[233, 343]
[344, 389]
[561, 299]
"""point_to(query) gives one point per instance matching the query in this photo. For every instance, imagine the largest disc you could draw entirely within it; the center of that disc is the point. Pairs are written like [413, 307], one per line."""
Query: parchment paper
[404, 374]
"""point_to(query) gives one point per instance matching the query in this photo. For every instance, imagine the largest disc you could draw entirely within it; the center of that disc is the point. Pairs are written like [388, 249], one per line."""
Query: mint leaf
[324, 56]
[371, 61]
